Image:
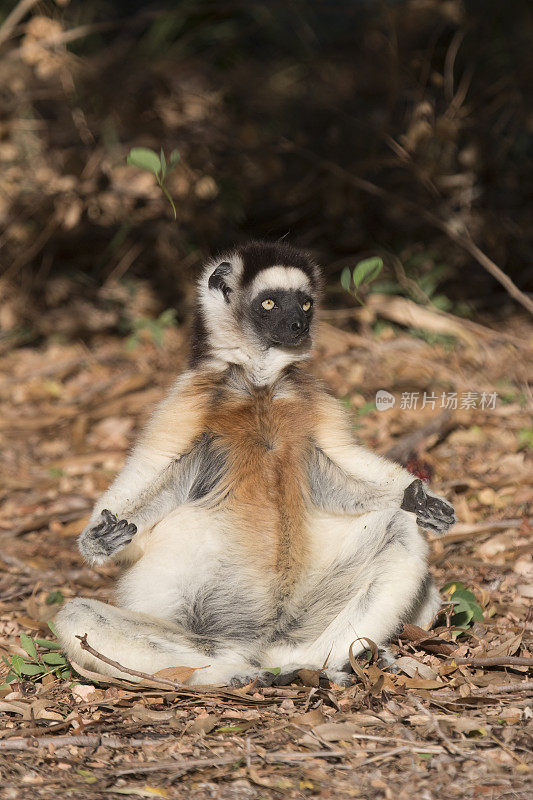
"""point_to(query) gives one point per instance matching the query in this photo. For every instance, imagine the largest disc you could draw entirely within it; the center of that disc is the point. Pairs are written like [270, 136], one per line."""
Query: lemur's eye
[307, 305]
[268, 304]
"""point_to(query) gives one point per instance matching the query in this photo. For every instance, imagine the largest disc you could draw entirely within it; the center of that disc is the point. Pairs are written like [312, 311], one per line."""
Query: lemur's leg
[371, 592]
[142, 642]
[334, 490]
[190, 477]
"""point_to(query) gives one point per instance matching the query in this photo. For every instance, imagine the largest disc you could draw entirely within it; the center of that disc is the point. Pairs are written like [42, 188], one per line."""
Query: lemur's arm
[335, 490]
[171, 431]
[188, 478]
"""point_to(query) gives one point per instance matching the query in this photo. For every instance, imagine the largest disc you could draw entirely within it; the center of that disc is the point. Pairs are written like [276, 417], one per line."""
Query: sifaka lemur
[254, 531]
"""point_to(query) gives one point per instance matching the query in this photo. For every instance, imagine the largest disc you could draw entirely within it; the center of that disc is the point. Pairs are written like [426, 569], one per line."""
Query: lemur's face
[282, 317]
[258, 299]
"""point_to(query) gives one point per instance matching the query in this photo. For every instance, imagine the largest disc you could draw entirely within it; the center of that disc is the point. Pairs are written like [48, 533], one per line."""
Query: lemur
[255, 533]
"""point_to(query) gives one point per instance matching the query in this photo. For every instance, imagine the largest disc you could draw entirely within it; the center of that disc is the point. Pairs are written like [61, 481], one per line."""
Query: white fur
[188, 549]
[230, 342]
[280, 278]
[192, 549]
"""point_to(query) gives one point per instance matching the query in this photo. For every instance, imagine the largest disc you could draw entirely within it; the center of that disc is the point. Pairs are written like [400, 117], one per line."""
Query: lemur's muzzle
[292, 330]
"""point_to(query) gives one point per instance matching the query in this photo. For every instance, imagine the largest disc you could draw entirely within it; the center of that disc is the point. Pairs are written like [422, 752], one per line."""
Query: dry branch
[462, 239]
[164, 682]
[13, 19]
[496, 661]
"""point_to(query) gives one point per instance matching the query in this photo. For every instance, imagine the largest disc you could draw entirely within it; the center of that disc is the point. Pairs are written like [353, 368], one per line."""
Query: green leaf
[346, 278]
[386, 287]
[31, 669]
[10, 677]
[144, 158]
[54, 597]
[17, 662]
[28, 645]
[230, 729]
[87, 775]
[53, 628]
[367, 270]
[163, 164]
[55, 659]
[174, 158]
[48, 644]
[273, 670]
[167, 317]
[465, 606]
[132, 342]
[64, 673]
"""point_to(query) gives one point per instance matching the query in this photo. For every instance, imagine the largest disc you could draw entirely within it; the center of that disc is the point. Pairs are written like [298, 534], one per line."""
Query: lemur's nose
[299, 326]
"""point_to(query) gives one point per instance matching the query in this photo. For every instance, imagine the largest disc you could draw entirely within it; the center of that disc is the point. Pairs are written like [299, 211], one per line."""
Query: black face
[282, 317]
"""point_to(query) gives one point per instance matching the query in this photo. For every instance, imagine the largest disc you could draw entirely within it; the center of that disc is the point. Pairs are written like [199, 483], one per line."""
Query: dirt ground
[454, 722]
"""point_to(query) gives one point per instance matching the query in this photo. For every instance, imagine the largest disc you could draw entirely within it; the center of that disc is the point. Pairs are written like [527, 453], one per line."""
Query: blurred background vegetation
[351, 127]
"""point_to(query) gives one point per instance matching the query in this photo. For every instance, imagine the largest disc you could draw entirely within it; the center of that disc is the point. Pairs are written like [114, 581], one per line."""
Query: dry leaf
[310, 677]
[204, 723]
[178, 674]
[412, 667]
[418, 683]
[336, 731]
[84, 693]
[143, 714]
[16, 707]
[313, 718]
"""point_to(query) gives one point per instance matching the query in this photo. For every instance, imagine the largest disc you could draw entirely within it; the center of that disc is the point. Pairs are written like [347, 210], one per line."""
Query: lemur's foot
[433, 513]
[267, 678]
[386, 661]
[99, 542]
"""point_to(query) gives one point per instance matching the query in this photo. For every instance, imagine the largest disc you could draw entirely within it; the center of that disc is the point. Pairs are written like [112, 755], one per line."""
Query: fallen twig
[499, 661]
[194, 764]
[76, 740]
[143, 675]
[158, 681]
[464, 529]
[493, 690]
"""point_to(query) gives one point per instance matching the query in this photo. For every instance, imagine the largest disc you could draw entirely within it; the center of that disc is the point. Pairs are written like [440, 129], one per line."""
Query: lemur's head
[256, 307]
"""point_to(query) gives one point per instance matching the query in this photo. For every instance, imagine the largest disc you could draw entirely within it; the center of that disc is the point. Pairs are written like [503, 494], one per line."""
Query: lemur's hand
[433, 513]
[97, 543]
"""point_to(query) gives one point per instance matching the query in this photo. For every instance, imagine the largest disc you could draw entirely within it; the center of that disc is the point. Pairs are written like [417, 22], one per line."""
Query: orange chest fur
[267, 440]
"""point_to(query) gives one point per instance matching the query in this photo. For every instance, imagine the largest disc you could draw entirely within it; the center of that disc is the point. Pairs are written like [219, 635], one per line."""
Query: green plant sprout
[363, 273]
[465, 608]
[147, 159]
[42, 659]
[154, 327]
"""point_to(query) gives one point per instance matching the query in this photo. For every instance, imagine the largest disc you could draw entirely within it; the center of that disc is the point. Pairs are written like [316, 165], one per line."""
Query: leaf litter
[447, 723]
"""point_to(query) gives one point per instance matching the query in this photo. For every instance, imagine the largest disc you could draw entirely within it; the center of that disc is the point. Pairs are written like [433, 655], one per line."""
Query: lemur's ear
[216, 279]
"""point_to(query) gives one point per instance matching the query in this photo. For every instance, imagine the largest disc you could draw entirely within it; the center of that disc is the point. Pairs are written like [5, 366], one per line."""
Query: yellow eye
[307, 305]
[268, 304]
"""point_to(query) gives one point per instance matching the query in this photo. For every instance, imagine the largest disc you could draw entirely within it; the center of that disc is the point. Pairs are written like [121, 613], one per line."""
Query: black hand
[414, 497]
[432, 513]
[113, 534]
[107, 537]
